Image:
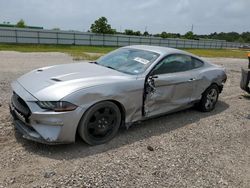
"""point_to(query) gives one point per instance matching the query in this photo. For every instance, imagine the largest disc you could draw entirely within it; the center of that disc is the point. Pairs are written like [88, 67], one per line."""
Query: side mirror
[153, 76]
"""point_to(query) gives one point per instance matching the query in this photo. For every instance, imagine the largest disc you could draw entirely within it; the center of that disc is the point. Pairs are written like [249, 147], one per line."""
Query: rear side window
[196, 63]
[174, 63]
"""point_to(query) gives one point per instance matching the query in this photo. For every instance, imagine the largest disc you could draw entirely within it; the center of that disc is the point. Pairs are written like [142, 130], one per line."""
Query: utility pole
[192, 28]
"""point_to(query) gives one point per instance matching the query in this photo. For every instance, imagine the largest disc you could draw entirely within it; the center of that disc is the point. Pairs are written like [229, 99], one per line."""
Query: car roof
[160, 50]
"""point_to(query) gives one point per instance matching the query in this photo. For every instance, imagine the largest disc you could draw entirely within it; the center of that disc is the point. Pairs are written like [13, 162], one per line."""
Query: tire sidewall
[82, 128]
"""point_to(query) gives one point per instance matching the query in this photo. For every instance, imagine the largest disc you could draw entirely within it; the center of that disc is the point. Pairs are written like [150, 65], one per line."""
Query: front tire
[100, 123]
[209, 99]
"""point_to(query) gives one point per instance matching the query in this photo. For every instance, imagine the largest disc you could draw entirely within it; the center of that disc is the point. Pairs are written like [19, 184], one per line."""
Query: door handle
[153, 77]
[191, 79]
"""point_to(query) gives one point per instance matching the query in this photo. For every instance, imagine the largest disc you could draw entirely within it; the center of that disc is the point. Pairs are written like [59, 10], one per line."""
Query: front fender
[128, 94]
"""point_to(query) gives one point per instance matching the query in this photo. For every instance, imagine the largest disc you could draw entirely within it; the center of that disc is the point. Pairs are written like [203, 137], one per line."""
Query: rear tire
[209, 99]
[100, 123]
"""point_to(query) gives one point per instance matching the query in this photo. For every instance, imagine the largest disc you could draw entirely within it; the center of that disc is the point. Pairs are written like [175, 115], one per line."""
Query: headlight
[59, 106]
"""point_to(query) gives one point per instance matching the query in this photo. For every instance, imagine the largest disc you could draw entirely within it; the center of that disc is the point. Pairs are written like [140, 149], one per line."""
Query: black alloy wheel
[100, 123]
[209, 99]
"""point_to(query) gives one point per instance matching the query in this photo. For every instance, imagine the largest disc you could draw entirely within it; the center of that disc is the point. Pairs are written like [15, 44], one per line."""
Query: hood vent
[56, 79]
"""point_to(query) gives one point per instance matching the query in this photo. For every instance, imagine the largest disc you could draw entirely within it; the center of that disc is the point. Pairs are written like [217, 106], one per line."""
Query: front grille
[20, 106]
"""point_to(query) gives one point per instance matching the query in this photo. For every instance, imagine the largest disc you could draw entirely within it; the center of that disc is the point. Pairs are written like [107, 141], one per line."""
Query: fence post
[90, 41]
[129, 41]
[57, 38]
[74, 35]
[117, 41]
[103, 42]
[38, 37]
[150, 41]
[16, 35]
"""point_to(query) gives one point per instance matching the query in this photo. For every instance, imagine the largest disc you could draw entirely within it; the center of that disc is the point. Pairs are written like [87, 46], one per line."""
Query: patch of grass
[77, 52]
[228, 53]
[94, 52]
[54, 48]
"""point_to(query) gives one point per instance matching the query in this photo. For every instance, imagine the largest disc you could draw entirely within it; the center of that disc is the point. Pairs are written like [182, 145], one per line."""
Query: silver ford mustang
[52, 104]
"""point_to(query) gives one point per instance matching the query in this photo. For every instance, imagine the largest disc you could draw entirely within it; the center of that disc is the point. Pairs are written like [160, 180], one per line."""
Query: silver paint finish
[85, 84]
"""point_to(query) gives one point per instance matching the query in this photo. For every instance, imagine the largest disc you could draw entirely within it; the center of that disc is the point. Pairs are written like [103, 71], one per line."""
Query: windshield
[131, 61]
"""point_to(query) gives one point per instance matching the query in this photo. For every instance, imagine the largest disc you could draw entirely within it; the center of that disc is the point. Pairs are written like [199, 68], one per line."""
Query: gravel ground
[184, 149]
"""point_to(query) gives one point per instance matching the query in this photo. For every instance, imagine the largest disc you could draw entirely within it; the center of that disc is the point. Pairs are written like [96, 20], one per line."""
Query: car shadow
[137, 132]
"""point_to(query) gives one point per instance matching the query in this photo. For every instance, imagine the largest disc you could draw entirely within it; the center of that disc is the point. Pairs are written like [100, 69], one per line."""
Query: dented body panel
[138, 96]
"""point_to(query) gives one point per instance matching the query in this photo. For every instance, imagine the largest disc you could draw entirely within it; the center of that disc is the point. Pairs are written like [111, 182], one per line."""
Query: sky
[155, 16]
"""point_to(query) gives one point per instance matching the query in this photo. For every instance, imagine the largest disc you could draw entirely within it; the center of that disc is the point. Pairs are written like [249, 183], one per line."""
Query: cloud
[157, 15]
[146, 5]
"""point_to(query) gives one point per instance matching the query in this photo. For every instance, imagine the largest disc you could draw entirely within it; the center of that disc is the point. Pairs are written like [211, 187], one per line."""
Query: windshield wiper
[111, 67]
[94, 62]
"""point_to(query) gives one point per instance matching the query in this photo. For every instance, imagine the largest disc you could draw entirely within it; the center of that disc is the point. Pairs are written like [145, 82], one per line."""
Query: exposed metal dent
[167, 92]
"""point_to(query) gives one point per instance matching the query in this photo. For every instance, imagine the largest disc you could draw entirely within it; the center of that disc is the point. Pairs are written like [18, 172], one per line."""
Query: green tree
[169, 35]
[189, 35]
[137, 33]
[56, 29]
[101, 26]
[129, 32]
[21, 23]
[164, 34]
[240, 40]
[146, 33]
[246, 36]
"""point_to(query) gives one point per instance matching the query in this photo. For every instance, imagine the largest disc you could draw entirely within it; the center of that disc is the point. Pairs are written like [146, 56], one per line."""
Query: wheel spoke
[207, 103]
[214, 97]
[212, 93]
[208, 97]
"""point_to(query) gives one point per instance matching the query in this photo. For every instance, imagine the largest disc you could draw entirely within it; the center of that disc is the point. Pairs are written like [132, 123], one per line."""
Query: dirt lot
[190, 148]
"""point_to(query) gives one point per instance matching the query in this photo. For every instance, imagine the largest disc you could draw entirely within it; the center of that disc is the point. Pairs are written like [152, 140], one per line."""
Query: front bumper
[27, 131]
[40, 125]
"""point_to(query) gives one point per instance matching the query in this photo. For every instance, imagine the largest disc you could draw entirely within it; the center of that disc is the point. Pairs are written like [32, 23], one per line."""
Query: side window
[196, 63]
[174, 63]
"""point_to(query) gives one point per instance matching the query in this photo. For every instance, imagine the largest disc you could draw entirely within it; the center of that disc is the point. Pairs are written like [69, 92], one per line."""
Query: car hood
[55, 82]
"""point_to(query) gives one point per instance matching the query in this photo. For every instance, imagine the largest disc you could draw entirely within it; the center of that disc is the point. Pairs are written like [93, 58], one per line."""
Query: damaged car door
[169, 86]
